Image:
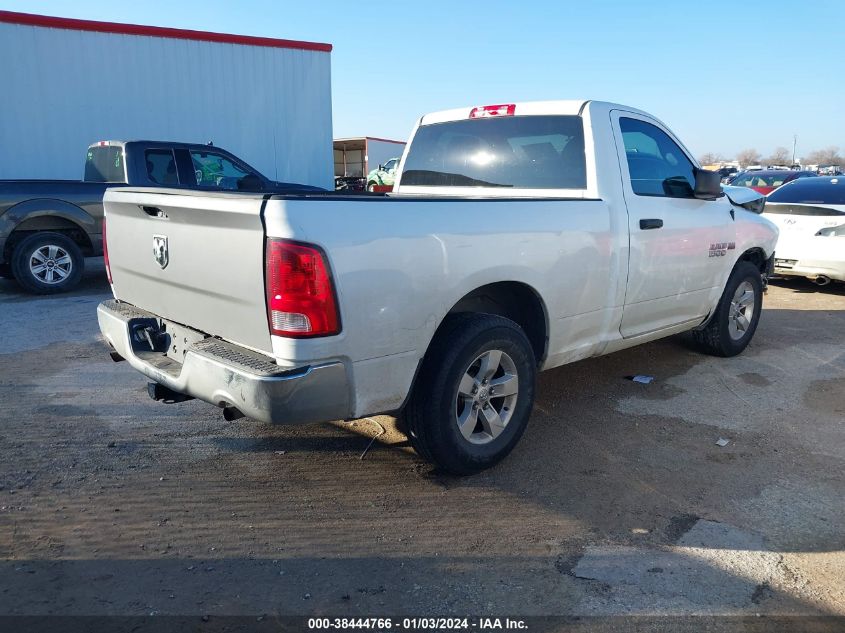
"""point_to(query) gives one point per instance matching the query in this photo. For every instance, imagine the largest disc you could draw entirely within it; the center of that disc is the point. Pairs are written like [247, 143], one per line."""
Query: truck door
[678, 243]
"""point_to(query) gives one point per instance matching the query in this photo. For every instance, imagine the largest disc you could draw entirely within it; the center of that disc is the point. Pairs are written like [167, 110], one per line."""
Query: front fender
[755, 231]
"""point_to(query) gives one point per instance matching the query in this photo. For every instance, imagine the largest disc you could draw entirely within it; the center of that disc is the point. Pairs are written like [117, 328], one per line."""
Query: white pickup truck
[520, 237]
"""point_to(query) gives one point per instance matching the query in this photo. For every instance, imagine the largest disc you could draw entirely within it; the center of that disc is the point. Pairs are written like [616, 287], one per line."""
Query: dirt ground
[618, 499]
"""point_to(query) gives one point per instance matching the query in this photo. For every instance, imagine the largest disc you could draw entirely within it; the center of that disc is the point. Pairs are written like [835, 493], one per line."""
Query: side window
[391, 164]
[658, 167]
[215, 171]
[161, 166]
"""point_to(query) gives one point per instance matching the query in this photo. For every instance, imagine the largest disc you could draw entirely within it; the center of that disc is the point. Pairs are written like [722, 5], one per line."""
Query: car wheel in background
[47, 263]
[474, 394]
[371, 186]
[732, 326]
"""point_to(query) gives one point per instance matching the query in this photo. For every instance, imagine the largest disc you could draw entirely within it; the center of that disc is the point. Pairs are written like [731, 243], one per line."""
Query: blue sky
[724, 75]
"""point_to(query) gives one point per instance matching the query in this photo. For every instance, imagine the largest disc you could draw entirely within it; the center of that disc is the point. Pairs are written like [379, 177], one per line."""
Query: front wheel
[735, 320]
[474, 395]
[371, 186]
[47, 263]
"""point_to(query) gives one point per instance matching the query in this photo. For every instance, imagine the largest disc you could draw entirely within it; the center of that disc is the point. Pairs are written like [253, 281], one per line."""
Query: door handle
[154, 212]
[651, 223]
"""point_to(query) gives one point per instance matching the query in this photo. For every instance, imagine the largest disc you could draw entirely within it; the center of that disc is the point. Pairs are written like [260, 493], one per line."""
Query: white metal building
[67, 83]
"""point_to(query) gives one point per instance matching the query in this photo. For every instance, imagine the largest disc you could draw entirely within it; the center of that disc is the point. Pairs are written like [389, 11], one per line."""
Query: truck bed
[398, 263]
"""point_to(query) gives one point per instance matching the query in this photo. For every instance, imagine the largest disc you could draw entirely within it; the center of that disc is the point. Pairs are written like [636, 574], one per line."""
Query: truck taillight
[300, 296]
[504, 109]
[106, 252]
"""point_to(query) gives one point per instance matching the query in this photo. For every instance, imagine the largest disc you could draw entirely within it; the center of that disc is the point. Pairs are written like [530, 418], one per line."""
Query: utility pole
[794, 143]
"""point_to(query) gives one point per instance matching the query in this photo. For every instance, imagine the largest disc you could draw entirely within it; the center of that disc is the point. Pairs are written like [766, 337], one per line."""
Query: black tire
[65, 273]
[433, 410]
[716, 337]
[371, 186]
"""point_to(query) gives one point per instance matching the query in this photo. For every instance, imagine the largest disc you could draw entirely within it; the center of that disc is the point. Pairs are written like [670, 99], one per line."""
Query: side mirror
[380, 167]
[707, 185]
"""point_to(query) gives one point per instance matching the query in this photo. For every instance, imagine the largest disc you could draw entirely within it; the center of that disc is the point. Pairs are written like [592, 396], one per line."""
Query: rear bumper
[228, 375]
[812, 272]
[810, 267]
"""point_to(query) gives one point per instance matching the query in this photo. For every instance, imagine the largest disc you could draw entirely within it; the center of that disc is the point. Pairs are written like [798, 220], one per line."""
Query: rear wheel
[474, 395]
[47, 263]
[732, 326]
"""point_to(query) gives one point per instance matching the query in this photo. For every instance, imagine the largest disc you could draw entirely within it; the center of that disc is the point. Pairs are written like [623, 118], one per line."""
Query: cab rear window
[104, 163]
[524, 152]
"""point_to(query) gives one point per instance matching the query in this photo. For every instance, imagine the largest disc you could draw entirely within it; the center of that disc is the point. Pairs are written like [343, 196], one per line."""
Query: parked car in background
[383, 176]
[519, 237]
[830, 170]
[48, 227]
[810, 214]
[767, 180]
[727, 173]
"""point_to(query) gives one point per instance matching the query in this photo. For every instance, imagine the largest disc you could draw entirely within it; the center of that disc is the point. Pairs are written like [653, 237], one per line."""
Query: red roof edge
[31, 19]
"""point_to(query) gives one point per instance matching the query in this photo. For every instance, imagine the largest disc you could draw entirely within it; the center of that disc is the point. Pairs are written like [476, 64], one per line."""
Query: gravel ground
[617, 501]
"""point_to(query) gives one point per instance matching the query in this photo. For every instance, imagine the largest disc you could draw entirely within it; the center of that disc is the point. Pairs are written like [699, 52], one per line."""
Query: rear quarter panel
[38, 202]
[400, 265]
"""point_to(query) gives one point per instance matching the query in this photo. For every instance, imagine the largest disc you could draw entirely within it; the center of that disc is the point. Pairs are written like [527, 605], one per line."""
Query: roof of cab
[524, 108]
[159, 144]
[561, 107]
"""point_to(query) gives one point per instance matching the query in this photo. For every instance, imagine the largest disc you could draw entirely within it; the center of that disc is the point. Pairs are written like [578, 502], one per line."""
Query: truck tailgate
[193, 258]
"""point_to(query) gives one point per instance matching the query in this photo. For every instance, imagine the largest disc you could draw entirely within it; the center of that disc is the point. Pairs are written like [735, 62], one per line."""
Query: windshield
[530, 152]
[811, 191]
[104, 163]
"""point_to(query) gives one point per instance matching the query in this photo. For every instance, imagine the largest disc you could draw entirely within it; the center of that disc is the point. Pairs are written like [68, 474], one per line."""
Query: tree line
[781, 156]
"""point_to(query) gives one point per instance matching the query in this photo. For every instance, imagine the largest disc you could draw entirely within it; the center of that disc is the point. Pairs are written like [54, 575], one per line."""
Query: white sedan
[810, 214]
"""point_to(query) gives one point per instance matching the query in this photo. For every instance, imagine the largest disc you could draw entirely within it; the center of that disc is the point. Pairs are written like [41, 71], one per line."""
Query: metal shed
[67, 83]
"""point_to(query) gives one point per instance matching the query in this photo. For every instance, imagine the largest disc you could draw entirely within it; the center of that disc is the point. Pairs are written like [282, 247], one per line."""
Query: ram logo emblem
[160, 250]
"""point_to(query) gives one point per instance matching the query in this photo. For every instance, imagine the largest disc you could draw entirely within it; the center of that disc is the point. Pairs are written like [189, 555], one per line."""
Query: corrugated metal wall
[61, 90]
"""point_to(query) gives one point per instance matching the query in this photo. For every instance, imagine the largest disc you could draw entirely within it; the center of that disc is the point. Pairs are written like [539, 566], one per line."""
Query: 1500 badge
[720, 249]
